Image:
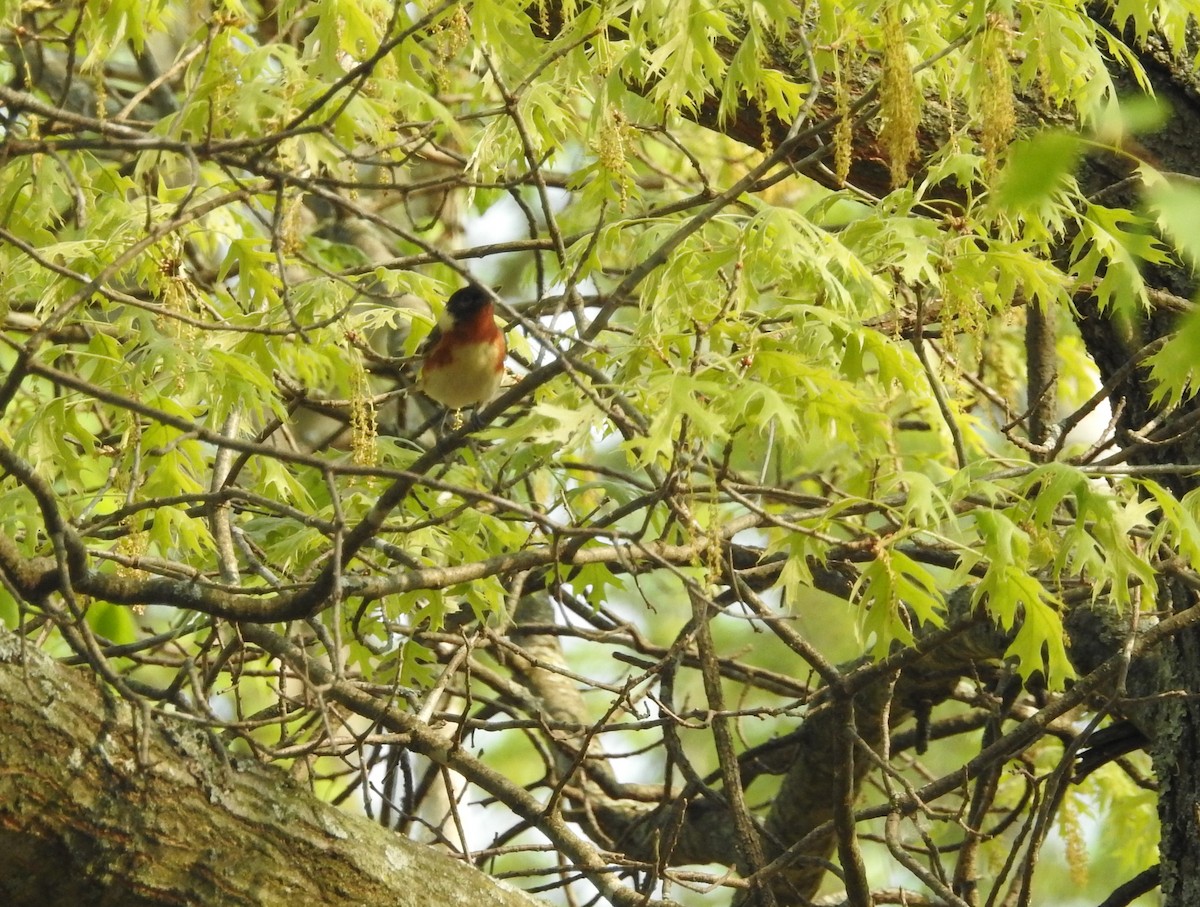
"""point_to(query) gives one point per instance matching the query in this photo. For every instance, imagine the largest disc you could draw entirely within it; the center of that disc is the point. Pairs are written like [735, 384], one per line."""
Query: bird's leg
[476, 422]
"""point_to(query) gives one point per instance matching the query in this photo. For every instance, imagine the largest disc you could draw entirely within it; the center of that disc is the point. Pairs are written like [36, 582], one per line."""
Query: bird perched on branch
[464, 355]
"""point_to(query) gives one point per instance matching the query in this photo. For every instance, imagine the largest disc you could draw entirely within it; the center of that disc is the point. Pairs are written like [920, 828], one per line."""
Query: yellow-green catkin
[996, 98]
[364, 429]
[898, 98]
[132, 546]
[1070, 827]
[843, 132]
[611, 147]
[453, 34]
[291, 221]
[170, 283]
[175, 301]
[134, 542]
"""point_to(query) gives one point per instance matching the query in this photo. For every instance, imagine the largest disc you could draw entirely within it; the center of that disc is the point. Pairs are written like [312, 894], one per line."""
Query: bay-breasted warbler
[464, 354]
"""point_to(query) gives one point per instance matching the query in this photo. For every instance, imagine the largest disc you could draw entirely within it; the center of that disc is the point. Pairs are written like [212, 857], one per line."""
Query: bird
[463, 357]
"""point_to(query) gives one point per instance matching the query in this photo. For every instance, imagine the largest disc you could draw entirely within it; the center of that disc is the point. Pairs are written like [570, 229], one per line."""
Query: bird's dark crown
[466, 302]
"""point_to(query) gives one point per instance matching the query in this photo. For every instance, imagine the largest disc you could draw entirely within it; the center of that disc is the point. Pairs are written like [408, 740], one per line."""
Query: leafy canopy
[208, 214]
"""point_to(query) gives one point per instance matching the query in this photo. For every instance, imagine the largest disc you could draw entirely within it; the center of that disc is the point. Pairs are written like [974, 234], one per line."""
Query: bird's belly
[470, 379]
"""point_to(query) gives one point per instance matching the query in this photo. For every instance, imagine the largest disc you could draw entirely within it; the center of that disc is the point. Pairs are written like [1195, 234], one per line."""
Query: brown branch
[445, 751]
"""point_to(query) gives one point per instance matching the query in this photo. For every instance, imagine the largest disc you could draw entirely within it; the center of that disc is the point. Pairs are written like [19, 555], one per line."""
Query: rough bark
[98, 807]
[1173, 725]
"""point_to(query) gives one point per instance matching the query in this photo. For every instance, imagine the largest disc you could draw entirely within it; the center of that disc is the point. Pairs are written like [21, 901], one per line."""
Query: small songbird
[464, 354]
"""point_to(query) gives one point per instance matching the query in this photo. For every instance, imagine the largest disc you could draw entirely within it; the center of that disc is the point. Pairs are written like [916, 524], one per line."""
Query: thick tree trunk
[1176, 745]
[97, 807]
[1174, 721]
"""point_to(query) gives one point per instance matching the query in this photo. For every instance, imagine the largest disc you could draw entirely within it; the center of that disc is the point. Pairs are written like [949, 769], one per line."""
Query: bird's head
[465, 303]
